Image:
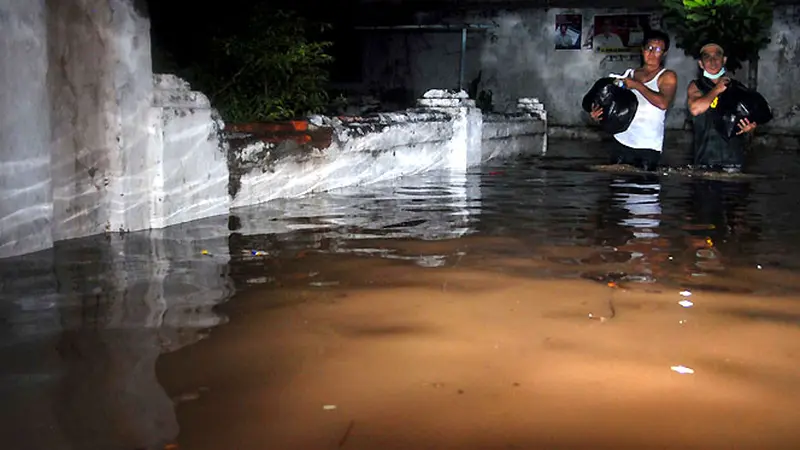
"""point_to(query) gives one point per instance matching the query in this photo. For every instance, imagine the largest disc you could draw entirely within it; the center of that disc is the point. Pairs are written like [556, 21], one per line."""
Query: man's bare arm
[697, 101]
[667, 85]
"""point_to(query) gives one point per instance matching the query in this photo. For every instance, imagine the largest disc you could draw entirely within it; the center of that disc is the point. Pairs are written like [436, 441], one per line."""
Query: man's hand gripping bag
[618, 103]
[736, 103]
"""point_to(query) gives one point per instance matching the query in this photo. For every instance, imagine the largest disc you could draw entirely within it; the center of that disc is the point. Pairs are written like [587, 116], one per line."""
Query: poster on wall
[568, 31]
[619, 33]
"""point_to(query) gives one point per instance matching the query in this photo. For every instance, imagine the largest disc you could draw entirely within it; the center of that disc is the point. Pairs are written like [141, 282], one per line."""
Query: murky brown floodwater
[531, 305]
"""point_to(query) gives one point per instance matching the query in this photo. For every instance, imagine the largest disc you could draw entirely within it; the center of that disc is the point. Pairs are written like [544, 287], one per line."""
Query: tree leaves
[742, 27]
[270, 68]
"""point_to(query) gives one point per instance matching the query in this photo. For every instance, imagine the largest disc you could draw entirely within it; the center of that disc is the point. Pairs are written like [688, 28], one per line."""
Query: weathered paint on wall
[779, 70]
[445, 132]
[517, 59]
[84, 149]
[25, 189]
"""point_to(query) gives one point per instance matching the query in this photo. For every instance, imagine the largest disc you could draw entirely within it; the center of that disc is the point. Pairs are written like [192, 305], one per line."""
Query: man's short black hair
[656, 35]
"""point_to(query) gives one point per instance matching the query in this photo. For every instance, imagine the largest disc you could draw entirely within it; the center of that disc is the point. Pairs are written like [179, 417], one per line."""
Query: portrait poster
[619, 33]
[568, 31]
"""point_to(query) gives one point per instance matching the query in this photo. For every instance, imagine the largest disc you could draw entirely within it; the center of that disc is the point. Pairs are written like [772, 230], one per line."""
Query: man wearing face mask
[654, 86]
[710, 150]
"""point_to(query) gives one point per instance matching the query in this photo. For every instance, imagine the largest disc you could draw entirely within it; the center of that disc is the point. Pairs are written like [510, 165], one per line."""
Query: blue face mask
[714, 77]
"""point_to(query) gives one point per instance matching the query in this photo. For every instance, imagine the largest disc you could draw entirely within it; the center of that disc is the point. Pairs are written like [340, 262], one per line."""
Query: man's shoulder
[668, 76]
[670, 73]
[694, 85]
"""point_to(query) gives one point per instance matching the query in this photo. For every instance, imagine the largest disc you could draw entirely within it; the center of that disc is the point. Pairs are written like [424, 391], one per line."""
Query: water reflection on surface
[465, 283]
[81, 327]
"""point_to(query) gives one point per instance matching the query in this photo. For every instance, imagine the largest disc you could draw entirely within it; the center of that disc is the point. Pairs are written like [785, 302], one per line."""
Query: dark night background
[184, 28]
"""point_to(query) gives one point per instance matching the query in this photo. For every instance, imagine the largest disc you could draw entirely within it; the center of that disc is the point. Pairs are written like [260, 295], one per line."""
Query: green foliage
[741, 27]
[270, 68]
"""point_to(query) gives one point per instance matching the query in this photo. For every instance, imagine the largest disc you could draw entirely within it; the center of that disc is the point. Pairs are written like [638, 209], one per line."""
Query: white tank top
[647, 127]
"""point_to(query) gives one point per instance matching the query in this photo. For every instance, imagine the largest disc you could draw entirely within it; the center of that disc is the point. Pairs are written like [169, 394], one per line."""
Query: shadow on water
[82, 326]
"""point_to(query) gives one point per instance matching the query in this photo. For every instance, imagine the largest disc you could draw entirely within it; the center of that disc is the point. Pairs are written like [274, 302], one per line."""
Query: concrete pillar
[465, 145]
[535, 108]
[191, 175]
[25, 190]
[100, 80]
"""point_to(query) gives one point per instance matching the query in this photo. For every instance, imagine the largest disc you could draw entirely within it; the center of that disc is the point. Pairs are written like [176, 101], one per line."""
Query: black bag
[619, 104]
[736, 103]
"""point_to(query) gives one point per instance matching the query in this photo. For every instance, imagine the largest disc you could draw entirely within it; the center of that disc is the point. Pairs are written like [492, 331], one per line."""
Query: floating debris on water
[260, 280]
[187, 397]
[323, 283]
[683, 370]
[706, 253]
[686, 303]
[687, 171]
[431, 261]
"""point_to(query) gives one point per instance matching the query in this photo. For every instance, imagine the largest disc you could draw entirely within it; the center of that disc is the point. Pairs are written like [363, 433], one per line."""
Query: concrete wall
[445, 132]
[779, 70]
[191, 172]
[98, 66]
[25, 189]
[89, 143]
[508, 135]
[517, 59]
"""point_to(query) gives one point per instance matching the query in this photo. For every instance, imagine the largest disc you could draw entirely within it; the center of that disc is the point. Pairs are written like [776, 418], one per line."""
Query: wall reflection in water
[431, 206]
[81, 327]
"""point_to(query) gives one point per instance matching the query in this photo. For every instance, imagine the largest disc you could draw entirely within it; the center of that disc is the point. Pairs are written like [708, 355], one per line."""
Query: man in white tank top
[654, 86]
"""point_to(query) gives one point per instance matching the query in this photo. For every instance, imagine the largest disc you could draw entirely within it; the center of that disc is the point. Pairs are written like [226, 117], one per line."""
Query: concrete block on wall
[191, 181]
[465, 146]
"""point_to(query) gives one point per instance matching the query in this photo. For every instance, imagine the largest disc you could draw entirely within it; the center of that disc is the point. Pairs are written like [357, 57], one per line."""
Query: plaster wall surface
[779, 70]
[507, 137]
[25, 189]
[87, 146]
[191, 161]
[393, 147]
[100, 93]
[446, 132]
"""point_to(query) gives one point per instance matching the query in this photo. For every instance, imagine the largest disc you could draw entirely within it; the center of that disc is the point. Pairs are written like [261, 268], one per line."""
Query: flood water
[529, 304]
